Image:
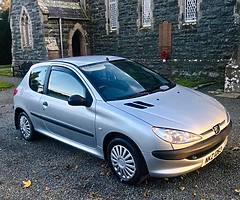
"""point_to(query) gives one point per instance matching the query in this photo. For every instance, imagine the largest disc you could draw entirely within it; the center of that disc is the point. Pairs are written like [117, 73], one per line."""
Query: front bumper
[178, 162]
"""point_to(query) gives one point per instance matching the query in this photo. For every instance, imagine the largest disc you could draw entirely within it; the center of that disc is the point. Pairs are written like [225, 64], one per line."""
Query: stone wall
[38, 52]
[203, 48]
[52, 30]
[232, 78]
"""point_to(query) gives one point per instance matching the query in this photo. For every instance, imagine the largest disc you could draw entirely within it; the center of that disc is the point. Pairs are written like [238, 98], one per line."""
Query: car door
[33, 93]
[75, 123]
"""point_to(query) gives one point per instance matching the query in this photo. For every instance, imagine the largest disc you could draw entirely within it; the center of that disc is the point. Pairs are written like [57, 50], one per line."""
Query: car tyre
[26, 127]
[126, 161]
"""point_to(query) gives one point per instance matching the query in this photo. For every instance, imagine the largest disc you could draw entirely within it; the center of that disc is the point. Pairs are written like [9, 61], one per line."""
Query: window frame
[44, 81]
[109, 28]
[185, 13]
[58, 67]
[26, 32]
[143, 25]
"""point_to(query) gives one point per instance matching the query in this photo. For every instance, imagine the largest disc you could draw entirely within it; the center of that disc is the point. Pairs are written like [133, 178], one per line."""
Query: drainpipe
[61, 35]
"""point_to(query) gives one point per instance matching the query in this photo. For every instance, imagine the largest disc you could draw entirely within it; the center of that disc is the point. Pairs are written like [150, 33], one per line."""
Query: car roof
[87, 60]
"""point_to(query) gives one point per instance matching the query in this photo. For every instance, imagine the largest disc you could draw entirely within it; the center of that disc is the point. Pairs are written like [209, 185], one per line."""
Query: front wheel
[126, 161]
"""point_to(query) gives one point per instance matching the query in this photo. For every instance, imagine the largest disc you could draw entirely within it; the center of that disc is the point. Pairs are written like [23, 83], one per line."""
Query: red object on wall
[165, 40]
[164, 55]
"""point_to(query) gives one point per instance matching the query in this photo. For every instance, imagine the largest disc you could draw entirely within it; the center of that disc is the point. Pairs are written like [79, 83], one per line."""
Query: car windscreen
[123, 79]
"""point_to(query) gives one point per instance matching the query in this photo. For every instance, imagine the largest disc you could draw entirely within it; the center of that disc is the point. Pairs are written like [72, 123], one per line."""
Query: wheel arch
[17, 112]
[110, 136]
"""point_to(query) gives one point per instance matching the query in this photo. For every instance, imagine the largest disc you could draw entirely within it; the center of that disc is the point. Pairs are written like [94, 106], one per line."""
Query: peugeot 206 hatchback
[118, 110]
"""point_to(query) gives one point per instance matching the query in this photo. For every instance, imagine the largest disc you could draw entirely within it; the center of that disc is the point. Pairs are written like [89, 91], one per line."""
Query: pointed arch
[83, 45]
[26, 29]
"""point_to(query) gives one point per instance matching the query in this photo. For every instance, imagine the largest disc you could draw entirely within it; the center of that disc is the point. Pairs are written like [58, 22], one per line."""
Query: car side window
[63, 84]
[37, 79]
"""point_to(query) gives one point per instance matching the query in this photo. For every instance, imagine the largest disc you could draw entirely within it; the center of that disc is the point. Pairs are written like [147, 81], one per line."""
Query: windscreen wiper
[139, 94]
[158, 88]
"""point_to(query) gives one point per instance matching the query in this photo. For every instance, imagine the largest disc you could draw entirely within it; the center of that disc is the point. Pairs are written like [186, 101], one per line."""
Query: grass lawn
[191, 83]
[5, 70]
[5, 85]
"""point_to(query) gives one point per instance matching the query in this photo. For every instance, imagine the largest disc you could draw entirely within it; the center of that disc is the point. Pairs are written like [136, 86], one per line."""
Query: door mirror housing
[76, 100]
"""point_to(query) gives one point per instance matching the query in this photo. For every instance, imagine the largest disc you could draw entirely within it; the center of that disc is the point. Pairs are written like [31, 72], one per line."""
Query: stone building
[196, 37]
[4, 5]
[46, 29]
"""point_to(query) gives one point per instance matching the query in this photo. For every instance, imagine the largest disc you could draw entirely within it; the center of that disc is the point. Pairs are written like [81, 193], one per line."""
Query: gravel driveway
[58, 171]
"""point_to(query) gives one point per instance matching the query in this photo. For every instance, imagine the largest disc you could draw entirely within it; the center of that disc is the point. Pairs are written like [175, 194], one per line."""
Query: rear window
[37, 79]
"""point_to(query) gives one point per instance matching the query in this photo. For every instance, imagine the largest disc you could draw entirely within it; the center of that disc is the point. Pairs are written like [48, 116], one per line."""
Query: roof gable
[66, 9]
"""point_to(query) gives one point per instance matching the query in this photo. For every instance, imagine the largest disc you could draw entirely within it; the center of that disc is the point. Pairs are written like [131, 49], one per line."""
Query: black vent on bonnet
[139, 105]
[135, 105]
[143, 104]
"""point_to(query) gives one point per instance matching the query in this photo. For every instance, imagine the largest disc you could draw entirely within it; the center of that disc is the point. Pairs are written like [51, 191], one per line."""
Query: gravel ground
[58, 171]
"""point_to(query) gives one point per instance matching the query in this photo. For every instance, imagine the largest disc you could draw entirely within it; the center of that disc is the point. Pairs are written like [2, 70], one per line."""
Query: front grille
[211, 130]
[204, 153]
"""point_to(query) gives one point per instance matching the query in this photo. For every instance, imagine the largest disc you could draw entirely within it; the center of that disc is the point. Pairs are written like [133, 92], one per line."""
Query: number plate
[214, 154]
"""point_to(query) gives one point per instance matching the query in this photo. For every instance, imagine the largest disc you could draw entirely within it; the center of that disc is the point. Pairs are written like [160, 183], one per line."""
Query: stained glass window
[146, 13]
[191, 10]
[113, 14]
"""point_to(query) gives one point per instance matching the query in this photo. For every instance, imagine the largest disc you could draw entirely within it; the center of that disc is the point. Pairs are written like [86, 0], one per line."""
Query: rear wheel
[126, 161]
[26, 127]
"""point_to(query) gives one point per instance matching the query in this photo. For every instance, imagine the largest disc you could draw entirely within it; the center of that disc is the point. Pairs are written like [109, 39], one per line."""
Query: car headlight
[176, 136]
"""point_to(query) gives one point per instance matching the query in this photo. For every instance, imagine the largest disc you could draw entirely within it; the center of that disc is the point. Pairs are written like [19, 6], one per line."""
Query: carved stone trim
[78, 27]
[43, 7]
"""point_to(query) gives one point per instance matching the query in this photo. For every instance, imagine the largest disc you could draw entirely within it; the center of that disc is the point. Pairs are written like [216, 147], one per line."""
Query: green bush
[4, 85]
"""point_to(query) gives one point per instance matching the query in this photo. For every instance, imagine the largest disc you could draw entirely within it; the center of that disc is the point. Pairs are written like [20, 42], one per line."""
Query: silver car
[138, 121]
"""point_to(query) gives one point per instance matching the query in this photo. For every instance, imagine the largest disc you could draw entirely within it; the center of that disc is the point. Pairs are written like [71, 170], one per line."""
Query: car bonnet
[179, 108]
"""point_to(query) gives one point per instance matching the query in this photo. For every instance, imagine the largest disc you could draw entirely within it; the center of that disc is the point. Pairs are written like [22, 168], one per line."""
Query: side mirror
[76, 100]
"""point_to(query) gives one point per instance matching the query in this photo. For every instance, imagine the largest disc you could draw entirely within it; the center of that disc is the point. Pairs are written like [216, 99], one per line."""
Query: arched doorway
[77, 44]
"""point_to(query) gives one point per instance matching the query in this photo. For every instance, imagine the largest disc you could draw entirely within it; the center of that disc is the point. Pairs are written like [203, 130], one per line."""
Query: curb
[203, 85]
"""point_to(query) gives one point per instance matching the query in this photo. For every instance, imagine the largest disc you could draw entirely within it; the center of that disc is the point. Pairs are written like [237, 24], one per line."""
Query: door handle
[45, 105]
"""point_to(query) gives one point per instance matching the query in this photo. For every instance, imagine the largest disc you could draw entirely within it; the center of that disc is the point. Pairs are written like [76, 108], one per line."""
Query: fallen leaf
[237, 190]
[27, 184]
[182, 188]
[147, 193]
[94, 195]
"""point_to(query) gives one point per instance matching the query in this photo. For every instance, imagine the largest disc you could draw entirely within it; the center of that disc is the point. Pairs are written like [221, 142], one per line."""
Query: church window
[112, 15]
[190, 10]
[146, 13]
[26, 29]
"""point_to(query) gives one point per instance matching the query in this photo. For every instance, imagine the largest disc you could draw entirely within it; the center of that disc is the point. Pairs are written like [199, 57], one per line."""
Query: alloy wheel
[123, 162]
[25, 127]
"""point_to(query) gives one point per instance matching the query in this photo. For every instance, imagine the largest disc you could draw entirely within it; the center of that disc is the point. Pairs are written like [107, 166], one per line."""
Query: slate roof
[66, 9]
